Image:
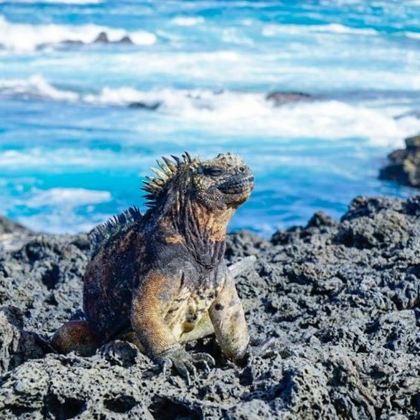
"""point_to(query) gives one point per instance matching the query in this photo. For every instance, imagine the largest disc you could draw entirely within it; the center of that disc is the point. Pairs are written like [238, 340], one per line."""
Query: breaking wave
[57, 209]
[24, 37]
[240, 113]
[335, 28]
[187, 21]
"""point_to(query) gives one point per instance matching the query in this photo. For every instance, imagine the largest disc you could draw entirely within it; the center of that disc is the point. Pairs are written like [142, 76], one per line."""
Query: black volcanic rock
[340, 299]
[404, 166]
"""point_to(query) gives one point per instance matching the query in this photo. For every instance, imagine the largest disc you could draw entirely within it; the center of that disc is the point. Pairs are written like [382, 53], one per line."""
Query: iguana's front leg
[228, 318]
[153, 296]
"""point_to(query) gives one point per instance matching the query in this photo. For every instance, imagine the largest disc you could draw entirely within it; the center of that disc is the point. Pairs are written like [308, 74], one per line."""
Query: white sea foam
[239, 113]
[35, 86]
[187, 21]
[412, 35]
[49, 159]
[24, 37]
[67, 197]
[56, 209]
[335, 28]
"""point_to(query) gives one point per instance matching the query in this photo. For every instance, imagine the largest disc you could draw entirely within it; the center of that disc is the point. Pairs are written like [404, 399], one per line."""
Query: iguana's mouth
[237, 185]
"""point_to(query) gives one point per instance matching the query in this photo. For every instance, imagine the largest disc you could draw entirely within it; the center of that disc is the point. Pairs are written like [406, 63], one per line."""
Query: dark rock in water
[283, 98]
[125, 40]
[103, 38]
[341, 299]
[67, 42]
[404, 166]
[153, 106]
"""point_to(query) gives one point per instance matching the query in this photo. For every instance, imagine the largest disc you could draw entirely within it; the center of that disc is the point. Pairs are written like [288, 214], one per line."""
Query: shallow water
[72, 152]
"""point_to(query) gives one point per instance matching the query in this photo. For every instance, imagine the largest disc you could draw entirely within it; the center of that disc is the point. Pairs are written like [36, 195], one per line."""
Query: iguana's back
[109, 280]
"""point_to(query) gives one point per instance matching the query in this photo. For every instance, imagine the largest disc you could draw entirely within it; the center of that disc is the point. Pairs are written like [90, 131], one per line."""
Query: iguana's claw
[119, 352]
[266, 347]
[263, 349]
[185, 363]
[110, 350]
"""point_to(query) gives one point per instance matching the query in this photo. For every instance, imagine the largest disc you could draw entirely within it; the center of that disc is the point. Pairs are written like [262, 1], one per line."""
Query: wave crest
[242, 113]
[24, 37]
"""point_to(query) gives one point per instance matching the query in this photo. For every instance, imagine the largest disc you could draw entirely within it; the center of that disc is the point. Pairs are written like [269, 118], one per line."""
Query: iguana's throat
[200, 229]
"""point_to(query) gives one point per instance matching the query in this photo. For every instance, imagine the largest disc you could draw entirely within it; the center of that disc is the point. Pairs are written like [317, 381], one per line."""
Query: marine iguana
[160, 279]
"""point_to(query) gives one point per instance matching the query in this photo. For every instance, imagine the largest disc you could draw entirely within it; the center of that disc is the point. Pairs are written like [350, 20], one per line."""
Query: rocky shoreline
[404, 164]
[341, 299]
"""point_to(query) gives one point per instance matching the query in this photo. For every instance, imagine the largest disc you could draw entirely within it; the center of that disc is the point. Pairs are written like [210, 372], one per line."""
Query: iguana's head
[225, 180]
[219, 183]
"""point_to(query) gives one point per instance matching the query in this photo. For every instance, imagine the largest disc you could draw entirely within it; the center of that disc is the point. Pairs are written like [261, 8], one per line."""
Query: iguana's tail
[242, 266]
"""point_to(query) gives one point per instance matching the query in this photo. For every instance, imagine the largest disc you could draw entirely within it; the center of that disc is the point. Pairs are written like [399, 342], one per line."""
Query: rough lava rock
[341, 300]
[404, 166]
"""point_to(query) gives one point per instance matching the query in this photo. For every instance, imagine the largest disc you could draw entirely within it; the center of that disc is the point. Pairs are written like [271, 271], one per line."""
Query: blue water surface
[73, 151]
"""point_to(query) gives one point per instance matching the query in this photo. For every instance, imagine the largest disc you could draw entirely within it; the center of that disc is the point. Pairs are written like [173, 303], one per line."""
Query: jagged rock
[103, 38]
[16, 344]
[125, 40]
[404, 166]
[341, 300]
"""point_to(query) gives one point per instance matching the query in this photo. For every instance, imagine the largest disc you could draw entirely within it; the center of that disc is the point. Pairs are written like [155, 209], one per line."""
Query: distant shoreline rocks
[102, 38]
[404, 165]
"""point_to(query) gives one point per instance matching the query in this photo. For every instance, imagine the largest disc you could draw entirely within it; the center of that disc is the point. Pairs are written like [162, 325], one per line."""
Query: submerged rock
[340, 298]
[404, 166]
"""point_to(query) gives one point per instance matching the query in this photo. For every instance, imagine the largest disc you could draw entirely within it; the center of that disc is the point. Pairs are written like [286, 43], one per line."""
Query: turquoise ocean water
[73, 151]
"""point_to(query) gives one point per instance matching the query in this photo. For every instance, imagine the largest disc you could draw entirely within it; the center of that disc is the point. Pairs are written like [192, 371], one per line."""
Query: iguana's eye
[212, 171]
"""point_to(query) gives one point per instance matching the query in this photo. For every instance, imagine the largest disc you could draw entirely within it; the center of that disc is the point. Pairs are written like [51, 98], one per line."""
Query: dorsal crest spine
[167, 170]
[103, 232]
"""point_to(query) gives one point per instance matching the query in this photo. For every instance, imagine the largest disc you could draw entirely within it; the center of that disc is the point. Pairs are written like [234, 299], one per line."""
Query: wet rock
[125, 40]
[279, 98]
[152, 106]
[340, 299]
[404, 166]
[103, 38]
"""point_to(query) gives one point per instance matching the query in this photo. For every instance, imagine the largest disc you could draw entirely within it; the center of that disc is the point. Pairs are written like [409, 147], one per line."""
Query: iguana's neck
[200, 229]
